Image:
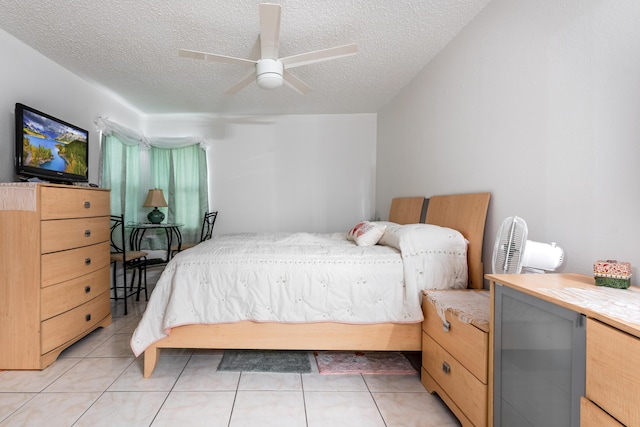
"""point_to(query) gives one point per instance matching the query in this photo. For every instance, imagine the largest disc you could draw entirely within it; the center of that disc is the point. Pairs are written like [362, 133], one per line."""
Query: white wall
[32, 79]
[538, 102]
[284, 173]
[288, 173]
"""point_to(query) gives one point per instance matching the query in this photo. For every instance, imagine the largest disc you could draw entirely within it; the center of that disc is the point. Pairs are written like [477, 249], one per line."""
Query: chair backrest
[207, 225]
[118, 243]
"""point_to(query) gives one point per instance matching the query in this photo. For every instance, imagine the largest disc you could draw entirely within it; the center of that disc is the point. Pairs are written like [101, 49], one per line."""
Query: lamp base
[155, 216]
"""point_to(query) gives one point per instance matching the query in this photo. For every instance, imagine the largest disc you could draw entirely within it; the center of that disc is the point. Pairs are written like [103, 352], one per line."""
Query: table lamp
[155, 199]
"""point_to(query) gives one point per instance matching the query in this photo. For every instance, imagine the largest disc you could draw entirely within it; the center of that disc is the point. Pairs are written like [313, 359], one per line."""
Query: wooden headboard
[466, 213]
[408, 210]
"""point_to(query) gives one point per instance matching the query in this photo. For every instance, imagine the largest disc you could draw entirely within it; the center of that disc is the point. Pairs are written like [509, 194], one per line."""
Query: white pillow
[391, 236]
[366, 233]
[434, 257]
[423, 236]
[387, 223]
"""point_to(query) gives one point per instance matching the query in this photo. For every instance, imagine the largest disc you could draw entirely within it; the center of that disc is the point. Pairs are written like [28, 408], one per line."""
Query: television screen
[49, 148]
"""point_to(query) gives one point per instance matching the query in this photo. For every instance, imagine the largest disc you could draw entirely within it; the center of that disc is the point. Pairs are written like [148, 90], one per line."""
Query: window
[131, 165]
[182, 174]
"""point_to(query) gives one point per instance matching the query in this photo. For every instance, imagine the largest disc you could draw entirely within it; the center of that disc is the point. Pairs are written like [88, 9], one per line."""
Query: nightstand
[455, 351]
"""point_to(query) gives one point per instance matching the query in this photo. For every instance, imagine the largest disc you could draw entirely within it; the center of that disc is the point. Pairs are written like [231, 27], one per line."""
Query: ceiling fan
[271, 72]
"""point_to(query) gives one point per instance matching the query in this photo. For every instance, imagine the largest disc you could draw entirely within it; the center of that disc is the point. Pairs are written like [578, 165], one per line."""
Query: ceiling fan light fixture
[269, 73]
[270, 69]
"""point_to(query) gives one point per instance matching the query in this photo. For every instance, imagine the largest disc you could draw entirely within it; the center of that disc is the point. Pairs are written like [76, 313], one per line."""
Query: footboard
[284, 336]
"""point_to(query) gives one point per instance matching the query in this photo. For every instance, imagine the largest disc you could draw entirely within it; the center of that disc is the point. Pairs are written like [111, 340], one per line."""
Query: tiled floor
[97, 382]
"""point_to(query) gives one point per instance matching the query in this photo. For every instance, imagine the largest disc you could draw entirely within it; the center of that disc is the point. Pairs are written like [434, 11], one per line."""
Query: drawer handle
[446, 326]
[446, 368]
[87, 261]
[87, 289]
[87, 317]
[87, 233]
[87, 205]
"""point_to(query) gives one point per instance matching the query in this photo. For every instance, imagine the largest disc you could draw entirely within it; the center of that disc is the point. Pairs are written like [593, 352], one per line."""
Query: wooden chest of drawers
[612, 383]
[612, 380]
[455, 355]
[54, 259]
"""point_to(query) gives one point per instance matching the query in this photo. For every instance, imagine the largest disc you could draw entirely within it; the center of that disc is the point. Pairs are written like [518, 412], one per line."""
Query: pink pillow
[366, 233]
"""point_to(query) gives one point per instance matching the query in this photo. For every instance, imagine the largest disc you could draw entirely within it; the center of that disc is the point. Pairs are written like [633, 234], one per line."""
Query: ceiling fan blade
[216, 58]
[269, 30]
[319, 55]
[242, 84]
[295, 83]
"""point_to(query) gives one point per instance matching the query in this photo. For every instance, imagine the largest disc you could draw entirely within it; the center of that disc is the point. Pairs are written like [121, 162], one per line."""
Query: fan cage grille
[509, 246]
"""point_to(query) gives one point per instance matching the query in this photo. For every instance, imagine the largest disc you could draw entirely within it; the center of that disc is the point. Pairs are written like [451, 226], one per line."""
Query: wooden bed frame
[463, 212]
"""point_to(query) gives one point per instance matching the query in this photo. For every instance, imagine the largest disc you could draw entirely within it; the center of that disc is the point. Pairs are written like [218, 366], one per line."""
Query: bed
[463, 213]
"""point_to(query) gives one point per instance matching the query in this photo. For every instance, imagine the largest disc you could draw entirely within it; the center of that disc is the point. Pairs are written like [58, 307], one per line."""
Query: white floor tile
[269, 381]
[394, 383]
[164, 376]
[317, 382]
[201, 374]
[267, 409]
[337, 409]
[90, 375]
[194, 409]
[414, 410]
[35, 381]
[123, 409]
[52, 409]
[126, 324]
[11, 402]
[87, 344]
[116, 345]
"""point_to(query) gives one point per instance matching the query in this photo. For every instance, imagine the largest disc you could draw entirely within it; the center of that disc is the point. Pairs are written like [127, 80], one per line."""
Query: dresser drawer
[469, 394]
[62, 266]
[466, 343]
[60, 329]
[613, 378]
[592, 416]
[73, 202]
[64, 296]
[60, 234]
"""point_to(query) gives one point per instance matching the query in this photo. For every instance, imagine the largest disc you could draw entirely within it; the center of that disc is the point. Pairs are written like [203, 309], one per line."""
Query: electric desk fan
[513, 253]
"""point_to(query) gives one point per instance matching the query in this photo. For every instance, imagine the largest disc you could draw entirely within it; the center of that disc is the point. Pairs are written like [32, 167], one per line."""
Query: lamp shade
[155, 199]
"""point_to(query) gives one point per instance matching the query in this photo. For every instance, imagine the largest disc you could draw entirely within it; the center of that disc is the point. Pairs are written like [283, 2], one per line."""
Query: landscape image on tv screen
[51, 145]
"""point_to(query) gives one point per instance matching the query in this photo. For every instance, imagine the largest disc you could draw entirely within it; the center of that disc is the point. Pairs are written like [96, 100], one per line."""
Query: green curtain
[180, 171]
[121, 174]
[182, 175]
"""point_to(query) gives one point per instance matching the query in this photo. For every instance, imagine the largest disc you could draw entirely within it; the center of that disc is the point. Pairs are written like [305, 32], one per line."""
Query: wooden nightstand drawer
[62, 266]
[64, 296]
[465, 342]
[62, 234]
[65, 327]
[592, 416]
[613, 380]
[59, 203]
[469, 394]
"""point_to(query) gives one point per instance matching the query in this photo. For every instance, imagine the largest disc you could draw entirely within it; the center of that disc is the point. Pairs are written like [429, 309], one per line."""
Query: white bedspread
[294, 278]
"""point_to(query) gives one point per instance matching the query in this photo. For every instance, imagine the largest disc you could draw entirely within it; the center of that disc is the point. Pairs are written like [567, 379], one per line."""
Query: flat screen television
[49, 149]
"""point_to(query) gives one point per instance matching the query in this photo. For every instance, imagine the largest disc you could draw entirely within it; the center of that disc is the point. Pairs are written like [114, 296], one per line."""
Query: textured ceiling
[130, 47]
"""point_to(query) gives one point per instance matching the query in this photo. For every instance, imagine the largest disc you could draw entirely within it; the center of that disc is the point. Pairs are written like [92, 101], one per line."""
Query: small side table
[455, 351]
[172, 232]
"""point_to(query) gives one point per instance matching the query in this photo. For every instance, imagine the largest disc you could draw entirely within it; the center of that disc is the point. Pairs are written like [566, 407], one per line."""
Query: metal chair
[134, 261]
[208, 221]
